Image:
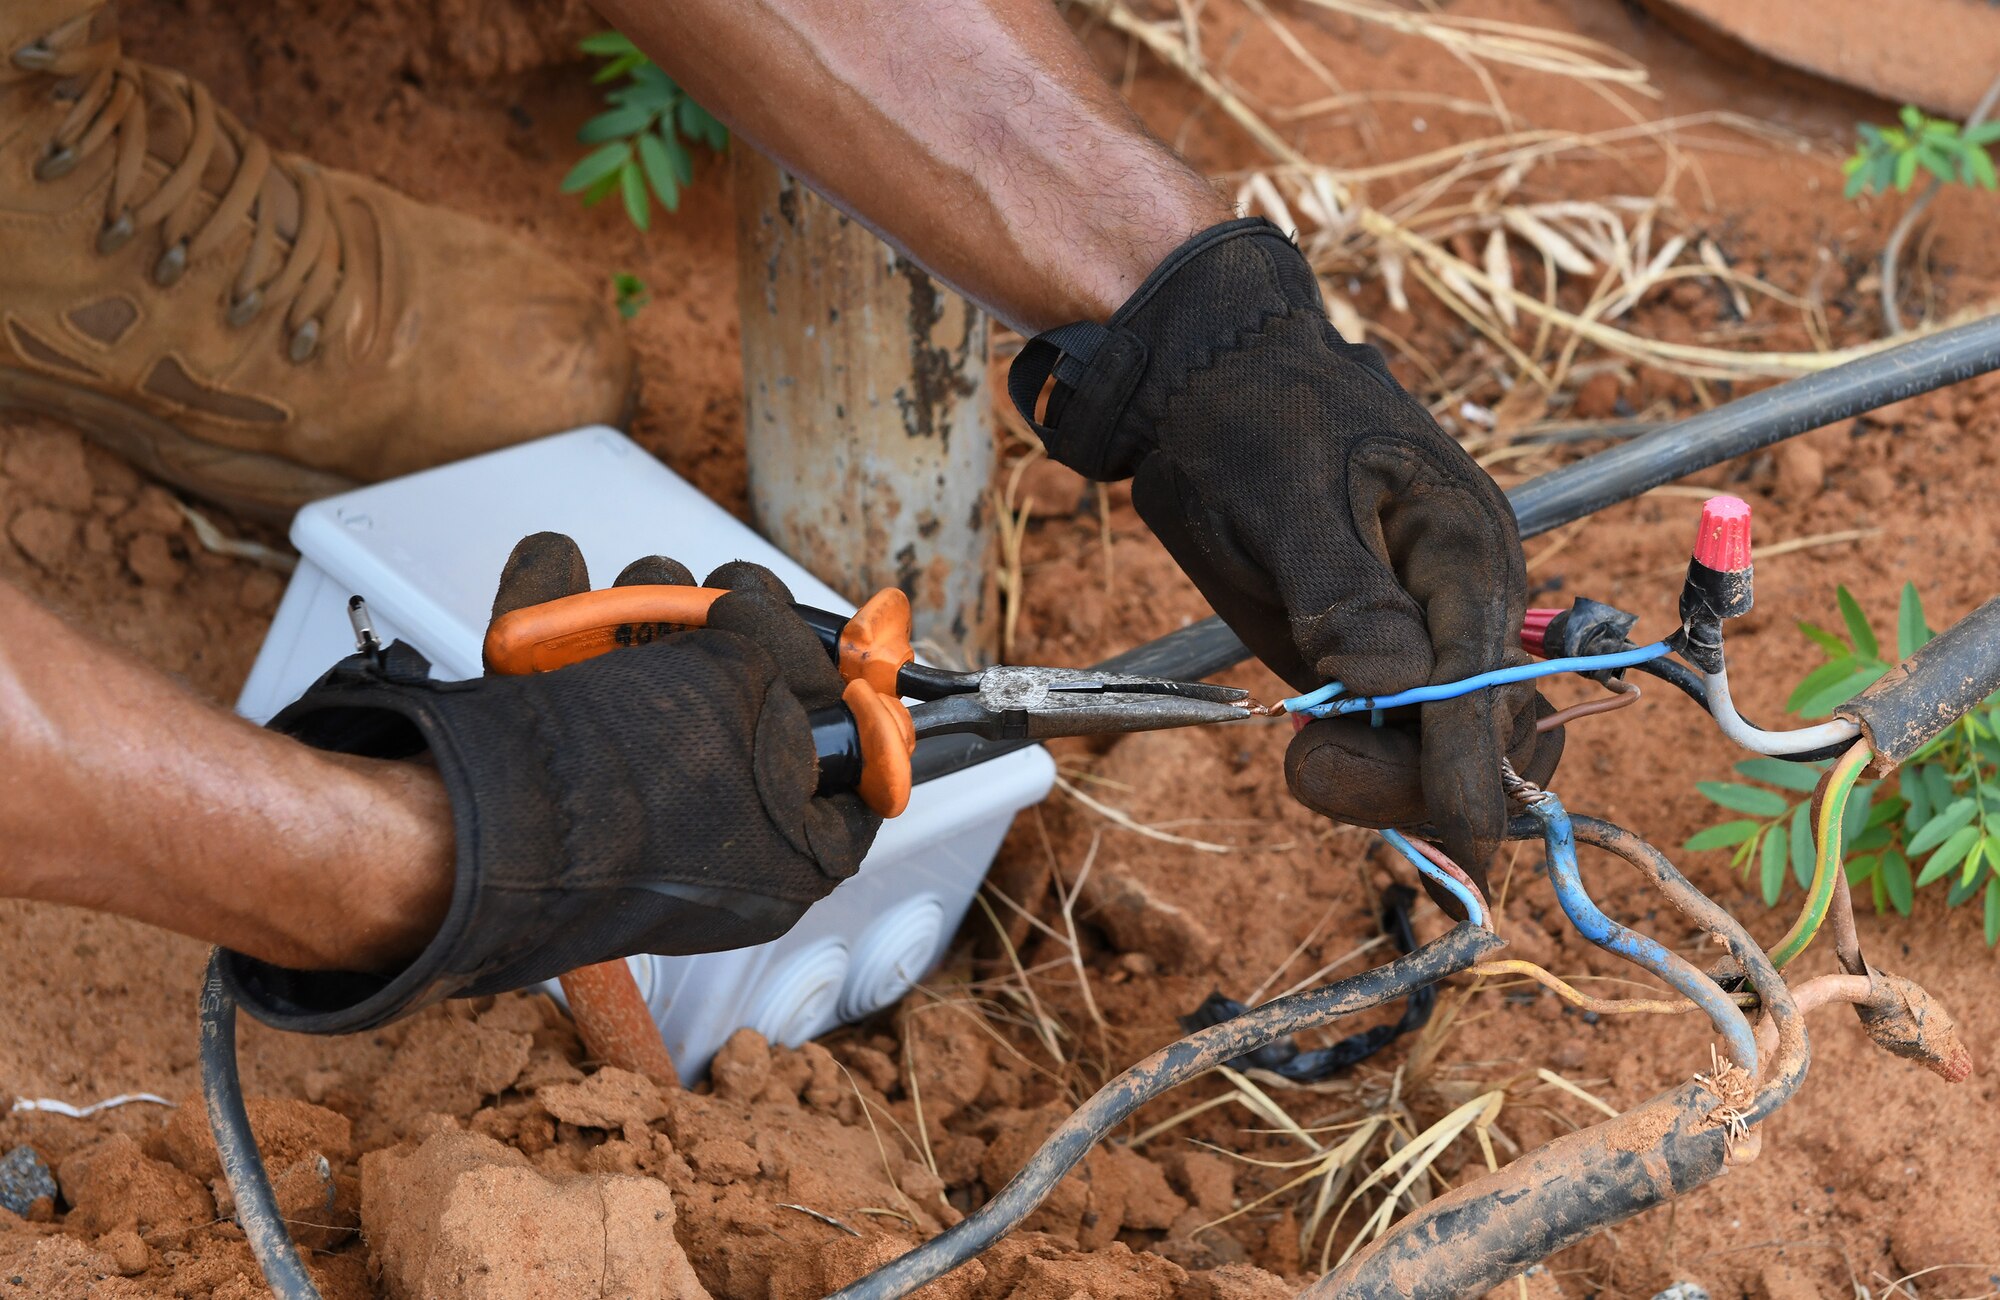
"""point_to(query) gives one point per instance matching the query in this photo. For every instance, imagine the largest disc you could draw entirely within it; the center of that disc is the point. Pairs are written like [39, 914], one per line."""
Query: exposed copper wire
[1450, 868]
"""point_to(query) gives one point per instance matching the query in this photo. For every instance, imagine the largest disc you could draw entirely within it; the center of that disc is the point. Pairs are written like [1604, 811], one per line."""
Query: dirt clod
[462, 1217]
[112, 1184]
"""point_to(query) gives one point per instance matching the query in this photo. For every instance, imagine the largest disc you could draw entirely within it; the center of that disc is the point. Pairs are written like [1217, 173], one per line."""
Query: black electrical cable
[1588, 485]
[256, 1205]
[1287, 1059]
[1167, 1068]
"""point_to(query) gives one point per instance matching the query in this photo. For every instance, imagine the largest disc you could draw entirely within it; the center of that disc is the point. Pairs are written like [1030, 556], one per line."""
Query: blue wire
[1320, 703]
[1452, 885]
[1594, 925]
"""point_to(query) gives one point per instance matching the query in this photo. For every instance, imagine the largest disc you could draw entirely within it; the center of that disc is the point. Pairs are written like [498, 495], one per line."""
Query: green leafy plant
[1940, 819]
[1889, 157]
[632, 294]
[642, 139]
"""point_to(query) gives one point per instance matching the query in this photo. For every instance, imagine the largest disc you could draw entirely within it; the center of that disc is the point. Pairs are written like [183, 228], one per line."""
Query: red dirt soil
[471, 1151]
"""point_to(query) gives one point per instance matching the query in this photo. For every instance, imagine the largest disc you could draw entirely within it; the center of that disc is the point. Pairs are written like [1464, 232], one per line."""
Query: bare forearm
[973, 134]
[121, 791]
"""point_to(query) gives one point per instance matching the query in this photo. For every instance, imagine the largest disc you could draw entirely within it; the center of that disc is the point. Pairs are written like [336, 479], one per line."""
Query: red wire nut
[1722, 542]
[1535, 631]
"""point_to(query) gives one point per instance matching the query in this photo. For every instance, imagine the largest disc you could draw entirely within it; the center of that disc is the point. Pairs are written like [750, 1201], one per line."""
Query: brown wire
[1589, 708]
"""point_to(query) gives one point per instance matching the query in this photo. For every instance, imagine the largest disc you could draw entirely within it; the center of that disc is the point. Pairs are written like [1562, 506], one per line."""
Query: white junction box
[426, 551]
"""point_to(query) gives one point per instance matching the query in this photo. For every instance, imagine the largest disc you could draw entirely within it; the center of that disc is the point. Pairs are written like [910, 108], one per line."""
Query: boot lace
[109, 111]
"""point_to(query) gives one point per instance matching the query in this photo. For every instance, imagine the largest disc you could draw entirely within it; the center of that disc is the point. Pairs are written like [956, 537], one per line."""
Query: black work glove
[1322, 512]
[659, 798]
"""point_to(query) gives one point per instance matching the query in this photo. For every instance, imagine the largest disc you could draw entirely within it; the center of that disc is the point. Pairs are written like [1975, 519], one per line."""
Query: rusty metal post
[867, 422]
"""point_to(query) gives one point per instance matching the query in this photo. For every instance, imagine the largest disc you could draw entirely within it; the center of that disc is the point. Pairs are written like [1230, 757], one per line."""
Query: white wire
[1770, 742]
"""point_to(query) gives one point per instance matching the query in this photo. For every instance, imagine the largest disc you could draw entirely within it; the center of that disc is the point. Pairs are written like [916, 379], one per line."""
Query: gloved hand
[1322, 512]
[658, 798]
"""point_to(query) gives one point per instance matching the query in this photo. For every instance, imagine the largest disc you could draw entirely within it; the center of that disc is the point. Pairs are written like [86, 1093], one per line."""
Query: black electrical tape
[1286, 1059]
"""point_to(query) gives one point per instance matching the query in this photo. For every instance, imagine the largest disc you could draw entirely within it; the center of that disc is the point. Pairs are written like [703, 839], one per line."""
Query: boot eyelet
[116, 233]
[244, 310]
[172, 265]
[305, 342]
[35, 56]
[56, 164]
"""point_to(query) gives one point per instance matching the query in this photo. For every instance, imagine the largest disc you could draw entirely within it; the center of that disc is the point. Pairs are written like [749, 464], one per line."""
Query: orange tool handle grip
[557, 633]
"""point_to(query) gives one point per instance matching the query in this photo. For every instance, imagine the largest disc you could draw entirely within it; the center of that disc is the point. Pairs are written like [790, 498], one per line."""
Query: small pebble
[25, 1179]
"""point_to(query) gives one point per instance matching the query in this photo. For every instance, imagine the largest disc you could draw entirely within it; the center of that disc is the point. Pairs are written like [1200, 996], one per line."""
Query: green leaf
[1802, 845]
[1912, 117]
[1906, 170]
[1938, 161]
[697, 123]
[1959, 814]
[1887, 810]
[607, 44]
[1832, 697]
[1984, 133]
[618, 124]
[1867, 841]
[649, 76]
[659, 171]
[632, 294]
[1894, 876]
[1978, 168]
[677, 154]
[1938, 782]
[1774, 865]
[596, 165]
[1949, 854]
[623, 65]
[1858, 807]
[1826, 640]
[1857, 624]
[637, 206]
[1820, 678]
[1911, 630]
[596, 193]
[1744, 798]
[1801, 777]
[1861, 868]
[1911, 781]
[1723, 836]
[1964, 889]
[1993, 911]
[1857, 181]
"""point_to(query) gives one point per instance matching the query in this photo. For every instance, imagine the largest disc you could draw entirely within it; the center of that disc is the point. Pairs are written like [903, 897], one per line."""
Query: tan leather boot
[241, 322]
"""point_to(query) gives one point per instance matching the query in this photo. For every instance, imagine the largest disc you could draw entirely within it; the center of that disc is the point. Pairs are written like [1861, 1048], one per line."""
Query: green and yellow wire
[1838, 785]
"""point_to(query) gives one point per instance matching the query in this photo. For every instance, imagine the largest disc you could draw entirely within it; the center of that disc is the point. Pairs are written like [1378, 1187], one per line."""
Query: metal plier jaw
[1010, 702]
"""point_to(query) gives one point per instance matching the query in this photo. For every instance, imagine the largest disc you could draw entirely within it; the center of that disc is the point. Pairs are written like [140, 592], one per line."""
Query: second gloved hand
[657, 798]
[1323, 513]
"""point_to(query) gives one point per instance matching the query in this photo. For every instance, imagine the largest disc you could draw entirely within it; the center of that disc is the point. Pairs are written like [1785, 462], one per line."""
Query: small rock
[610, 1099]
[742, 1068]
[463, 1217]
[1801, 472]
[1683, 1291]
[113, 1184]
[155, 511]
[287, 1130]
[724, 1160]
[24, 1179]
[152, 561]
[321, 1208]
[52, 468]
[129, 1253]
[45, 535]
[1874, 486]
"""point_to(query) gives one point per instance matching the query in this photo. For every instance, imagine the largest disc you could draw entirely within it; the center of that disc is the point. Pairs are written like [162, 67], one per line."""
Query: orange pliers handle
[870, 649]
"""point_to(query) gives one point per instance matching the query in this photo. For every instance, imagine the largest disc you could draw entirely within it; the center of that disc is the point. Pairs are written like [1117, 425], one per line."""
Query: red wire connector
[1723, 541]
[1718, 582]
[1535, 631]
